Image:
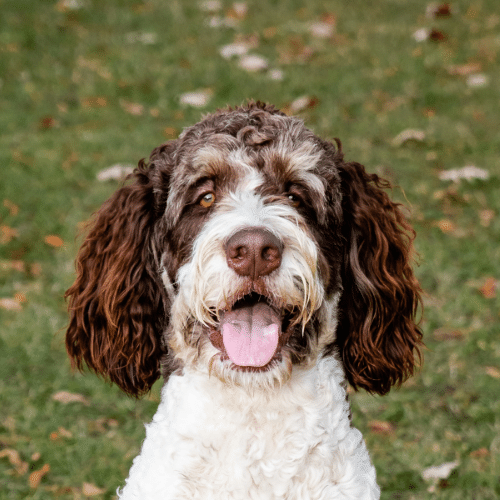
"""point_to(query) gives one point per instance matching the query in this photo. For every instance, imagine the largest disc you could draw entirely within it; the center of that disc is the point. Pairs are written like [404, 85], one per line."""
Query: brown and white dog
[259, 273]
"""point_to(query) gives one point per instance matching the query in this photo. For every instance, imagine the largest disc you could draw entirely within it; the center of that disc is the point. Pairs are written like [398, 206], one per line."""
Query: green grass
[67, 77]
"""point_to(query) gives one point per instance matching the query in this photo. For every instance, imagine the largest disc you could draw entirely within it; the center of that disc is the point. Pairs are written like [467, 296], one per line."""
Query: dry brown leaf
[434, 10]
[36, 269]
[7, 234]
[488, 289]
[479, 453]
[54, 241]
[446, 225]
[36, 476]
[437, 36]
[493, 372]
[381, 427]
[11, 207]
[91, 490]
[15, 460]
[486, 216]
[12, 265]
[66, 397]
[445, 333]
[465, 69]
[133, 108]
[94, 102]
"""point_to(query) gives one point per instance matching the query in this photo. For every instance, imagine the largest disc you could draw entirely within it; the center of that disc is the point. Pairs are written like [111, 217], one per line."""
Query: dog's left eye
[207, 200]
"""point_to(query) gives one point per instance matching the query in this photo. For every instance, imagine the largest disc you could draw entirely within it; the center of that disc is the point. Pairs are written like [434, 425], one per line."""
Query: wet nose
[254, 252]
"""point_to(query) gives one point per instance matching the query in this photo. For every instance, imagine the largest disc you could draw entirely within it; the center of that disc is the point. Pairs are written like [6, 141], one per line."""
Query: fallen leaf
[91, 490]
[132, 108]
[486, 216]
[444, 333]
[477, 80]
[48, 122]
[14, 265]
[233, 49]
[493, 372]
[237, 11]
[464, 69]
[434, 10]
[115, 172]
[15, 460]
[276, 74]
[468, 172]
[10, 305]
[442, 471]
[7, 234]
[211, 6]
[253, 63]
[421, 34]
[64, 433]
[36, 269]
[65, 5]
[381, 427]
[197, 99]
[66, 397]
[437, 36]
[488, 289]
[479, 453]
[409, 134]
[302, 103]
[36, 476]
[54, 241]
[11, 207]
[322, 29]
[144, 38]
[446, 225]
[94, 102]
[36, 456]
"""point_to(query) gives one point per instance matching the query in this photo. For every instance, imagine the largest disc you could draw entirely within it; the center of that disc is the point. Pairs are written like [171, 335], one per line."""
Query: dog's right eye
[207, 200]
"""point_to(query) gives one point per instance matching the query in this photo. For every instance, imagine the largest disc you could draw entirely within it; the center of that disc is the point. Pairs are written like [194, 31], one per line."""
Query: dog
[260, 274]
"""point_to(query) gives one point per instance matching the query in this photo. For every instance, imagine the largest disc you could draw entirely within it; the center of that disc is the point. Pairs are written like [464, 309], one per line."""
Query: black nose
[254, 252]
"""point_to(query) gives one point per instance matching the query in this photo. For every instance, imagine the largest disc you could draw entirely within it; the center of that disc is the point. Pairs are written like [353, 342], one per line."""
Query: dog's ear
[118, 305]
[378, 337]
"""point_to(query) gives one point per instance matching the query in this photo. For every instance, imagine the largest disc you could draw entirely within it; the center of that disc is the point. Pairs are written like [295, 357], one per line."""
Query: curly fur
[153, 283]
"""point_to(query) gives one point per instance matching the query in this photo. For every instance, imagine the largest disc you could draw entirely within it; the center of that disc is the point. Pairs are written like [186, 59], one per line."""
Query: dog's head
[244, 248]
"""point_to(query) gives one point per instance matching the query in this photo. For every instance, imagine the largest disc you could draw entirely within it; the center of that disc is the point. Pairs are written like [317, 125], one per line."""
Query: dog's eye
[207, 200]
[295, 200]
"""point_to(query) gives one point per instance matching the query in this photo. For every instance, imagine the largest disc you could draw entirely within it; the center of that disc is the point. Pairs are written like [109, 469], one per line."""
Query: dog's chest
[230, 444]
[208, 441]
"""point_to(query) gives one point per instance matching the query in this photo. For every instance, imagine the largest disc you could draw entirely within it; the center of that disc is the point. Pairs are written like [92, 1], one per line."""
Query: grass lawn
[85, 85]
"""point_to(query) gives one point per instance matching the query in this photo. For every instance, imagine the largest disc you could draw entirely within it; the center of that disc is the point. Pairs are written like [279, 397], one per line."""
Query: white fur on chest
[212, 441]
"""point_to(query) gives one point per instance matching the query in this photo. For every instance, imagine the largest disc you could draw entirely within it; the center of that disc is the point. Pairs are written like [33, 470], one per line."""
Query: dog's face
[245, 248]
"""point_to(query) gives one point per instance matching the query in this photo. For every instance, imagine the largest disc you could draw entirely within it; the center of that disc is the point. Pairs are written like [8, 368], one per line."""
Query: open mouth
[252, 333]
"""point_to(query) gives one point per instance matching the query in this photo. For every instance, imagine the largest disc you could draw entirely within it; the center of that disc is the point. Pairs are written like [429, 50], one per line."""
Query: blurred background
[412, 89]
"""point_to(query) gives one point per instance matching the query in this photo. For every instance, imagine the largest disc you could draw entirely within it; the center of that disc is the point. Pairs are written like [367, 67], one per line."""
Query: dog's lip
[287, 324]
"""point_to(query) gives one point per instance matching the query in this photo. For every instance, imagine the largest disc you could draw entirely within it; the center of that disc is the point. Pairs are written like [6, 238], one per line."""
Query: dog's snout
[254, 252]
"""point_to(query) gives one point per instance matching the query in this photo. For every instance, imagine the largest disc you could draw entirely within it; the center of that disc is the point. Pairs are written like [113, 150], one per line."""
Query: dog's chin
[251, 337]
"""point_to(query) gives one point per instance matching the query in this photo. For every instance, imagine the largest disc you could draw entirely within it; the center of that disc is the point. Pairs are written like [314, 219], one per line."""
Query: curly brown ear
[117, 303]
[378, 337]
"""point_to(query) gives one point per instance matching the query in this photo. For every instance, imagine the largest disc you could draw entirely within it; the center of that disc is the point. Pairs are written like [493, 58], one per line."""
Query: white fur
[225, 434]
[213, 441]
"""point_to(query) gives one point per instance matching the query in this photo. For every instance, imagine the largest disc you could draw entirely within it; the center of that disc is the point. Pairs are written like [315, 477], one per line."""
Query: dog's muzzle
[250, 332]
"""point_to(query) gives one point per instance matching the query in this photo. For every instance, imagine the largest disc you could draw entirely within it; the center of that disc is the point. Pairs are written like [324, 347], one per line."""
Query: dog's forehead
[280, 148]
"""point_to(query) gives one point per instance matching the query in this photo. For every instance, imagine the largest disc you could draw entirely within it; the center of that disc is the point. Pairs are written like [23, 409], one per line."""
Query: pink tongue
[251, 334]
